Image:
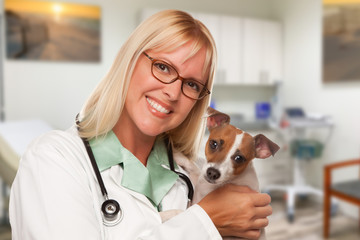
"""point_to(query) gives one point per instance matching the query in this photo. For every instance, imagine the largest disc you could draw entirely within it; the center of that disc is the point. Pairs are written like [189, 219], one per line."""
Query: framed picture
[2, 110]
[341, 40]
[52, 31]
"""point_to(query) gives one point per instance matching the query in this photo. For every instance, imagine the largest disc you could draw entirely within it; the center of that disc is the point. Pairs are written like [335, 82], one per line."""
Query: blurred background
[288, 69]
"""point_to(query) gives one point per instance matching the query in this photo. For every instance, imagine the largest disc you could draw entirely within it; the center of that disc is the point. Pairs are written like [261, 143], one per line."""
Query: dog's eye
[239, 159]
[213, 144]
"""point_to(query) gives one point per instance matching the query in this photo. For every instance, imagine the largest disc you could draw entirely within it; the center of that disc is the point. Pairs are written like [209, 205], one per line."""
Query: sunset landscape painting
[341, 41]
[52, 31]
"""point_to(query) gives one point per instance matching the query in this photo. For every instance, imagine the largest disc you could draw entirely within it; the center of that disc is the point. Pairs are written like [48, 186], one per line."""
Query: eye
[239, 159]
[193, 85]
[162, 67]
[213, 144]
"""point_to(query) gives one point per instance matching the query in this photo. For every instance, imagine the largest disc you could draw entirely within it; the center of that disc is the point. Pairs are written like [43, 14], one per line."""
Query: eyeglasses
[167, 74]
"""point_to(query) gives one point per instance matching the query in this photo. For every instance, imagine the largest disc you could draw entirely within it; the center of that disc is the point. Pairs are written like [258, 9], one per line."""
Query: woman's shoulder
[56, 138]
[55, 144]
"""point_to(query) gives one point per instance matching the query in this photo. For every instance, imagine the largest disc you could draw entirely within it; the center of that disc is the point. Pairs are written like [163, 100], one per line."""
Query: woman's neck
[134, 141]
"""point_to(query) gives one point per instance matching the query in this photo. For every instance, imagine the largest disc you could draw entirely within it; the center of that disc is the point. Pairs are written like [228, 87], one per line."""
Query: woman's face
[152, 107]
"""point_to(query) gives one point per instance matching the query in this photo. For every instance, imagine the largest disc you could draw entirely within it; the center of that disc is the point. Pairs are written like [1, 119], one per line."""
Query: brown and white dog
[229, 153]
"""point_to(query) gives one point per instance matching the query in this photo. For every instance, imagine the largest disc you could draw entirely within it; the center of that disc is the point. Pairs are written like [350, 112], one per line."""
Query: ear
[264, 148]
[216, 118]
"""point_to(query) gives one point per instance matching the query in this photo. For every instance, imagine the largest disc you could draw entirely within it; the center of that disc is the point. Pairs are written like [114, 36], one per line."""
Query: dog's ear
[264, 148]
[216, 118]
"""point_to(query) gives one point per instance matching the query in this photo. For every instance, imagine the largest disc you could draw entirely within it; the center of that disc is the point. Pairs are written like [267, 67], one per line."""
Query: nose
[173, 90]
[212, 173]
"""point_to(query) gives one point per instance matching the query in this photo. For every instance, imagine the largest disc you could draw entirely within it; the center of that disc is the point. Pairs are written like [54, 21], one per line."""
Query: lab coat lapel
[116, 173]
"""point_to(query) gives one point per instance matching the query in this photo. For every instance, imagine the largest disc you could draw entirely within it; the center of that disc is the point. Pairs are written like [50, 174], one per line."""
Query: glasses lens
[164, 72]
[192, 88]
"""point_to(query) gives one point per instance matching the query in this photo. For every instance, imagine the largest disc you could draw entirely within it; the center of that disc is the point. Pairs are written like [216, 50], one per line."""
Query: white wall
[303, 86]
[56, 91]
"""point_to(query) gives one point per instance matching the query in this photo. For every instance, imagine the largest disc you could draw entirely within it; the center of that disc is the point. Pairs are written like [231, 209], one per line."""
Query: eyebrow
[167, 61]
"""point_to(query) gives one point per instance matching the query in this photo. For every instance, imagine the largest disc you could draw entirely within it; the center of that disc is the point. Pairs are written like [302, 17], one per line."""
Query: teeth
[157, 106]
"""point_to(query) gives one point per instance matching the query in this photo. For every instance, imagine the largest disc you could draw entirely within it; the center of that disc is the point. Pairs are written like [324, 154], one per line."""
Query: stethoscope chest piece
[112, 212]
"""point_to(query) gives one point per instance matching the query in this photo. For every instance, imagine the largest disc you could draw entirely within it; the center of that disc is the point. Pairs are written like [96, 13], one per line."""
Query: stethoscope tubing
[95, 167]
[111, 209]
[181, 175]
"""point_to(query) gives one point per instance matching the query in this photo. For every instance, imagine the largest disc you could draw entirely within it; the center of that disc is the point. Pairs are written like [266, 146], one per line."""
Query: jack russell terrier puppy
[229, 153]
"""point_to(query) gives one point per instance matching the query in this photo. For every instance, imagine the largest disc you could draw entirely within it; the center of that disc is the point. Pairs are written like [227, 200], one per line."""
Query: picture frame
[52, 31]
[341, 41]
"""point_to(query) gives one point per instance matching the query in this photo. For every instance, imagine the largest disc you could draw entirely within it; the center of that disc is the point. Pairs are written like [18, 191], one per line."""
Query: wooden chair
[348, 191]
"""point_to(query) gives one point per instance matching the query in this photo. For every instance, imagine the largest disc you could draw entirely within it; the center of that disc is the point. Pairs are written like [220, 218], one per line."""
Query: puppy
[229, 153]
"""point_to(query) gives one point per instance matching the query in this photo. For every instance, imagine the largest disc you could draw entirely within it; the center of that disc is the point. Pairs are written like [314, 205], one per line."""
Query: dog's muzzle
[212, 174]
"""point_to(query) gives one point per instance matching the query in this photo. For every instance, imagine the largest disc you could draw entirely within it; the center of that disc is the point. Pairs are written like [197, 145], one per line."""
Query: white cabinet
[227, 33]
[230, 49]
[249, 50]
[262, 59]
[273, 50]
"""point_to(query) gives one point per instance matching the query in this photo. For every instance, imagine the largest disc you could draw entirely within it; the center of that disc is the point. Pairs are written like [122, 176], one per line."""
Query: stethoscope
[111, 211]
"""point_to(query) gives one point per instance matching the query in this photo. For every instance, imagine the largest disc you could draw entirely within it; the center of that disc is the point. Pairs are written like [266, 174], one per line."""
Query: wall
[303, 86]
[56, 91]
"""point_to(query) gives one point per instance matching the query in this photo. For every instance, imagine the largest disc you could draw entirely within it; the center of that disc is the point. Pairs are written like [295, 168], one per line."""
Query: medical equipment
[297, 124]
[111, 209]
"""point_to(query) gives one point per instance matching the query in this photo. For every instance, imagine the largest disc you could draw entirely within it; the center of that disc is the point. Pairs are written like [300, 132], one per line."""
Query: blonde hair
[164, 31]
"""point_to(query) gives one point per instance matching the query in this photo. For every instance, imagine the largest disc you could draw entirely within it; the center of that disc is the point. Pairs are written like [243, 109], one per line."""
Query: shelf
[246, 85]
[237, 93]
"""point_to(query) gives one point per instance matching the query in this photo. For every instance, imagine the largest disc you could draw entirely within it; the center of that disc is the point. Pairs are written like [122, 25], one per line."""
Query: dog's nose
[212, 173]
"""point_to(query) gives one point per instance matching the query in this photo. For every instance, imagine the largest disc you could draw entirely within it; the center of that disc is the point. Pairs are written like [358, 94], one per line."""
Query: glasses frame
[204, 91]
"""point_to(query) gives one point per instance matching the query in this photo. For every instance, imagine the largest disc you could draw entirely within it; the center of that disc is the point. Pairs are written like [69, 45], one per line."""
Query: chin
[152, 130]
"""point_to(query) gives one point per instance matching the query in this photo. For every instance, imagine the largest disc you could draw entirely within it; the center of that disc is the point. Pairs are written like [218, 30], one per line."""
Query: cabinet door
[262, 51]
[230, 50]
[253, 35]
[212, 22]
[273, 60]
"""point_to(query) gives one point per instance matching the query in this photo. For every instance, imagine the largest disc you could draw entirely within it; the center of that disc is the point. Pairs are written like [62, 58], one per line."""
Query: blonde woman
[110, 175]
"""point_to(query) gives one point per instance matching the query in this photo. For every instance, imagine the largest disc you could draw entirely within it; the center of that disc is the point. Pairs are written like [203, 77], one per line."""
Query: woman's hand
[237, 210]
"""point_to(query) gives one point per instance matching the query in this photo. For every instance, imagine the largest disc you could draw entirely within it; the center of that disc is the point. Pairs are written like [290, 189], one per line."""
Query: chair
[347, 191]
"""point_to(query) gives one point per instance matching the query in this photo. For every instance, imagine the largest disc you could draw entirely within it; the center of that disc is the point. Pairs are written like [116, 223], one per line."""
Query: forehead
[226, 131]
[188, 64]
[230, 134]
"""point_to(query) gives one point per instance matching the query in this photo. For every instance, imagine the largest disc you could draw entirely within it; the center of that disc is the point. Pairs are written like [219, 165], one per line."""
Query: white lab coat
[55, 195]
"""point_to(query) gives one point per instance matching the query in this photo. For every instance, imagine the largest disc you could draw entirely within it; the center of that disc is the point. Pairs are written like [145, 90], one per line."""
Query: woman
[156, 90]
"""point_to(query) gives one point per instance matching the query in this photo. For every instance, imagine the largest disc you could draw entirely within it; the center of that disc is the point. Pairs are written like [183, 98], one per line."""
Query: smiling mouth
[157, 106]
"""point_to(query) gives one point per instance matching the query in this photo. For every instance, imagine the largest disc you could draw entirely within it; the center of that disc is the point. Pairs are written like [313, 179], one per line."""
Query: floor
[308, 223]
[306, 226]
[5, 233]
